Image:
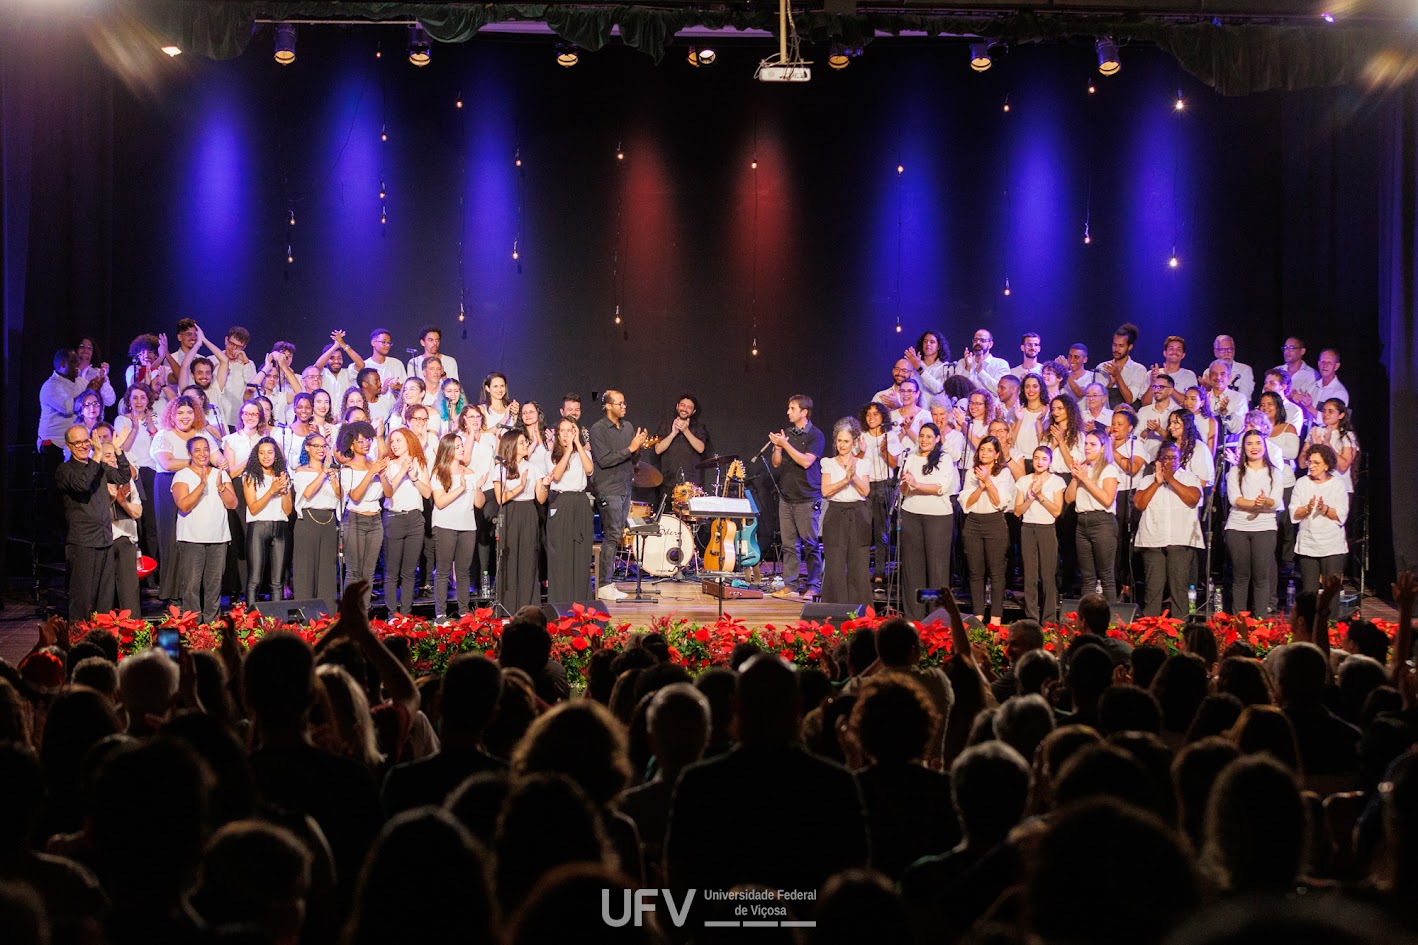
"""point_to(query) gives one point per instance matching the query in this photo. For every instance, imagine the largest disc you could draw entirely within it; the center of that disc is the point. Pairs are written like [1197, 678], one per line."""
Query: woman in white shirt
[876, 447]
[987, 493]
[127, 512]
[908, 419]
[406, 485]
[1130, 456]
[1338, 435]
[361, 531]
[1094, 494]
[1054, 375]
[322, 411]
[1255, 488]
[517, 492]
[418, 422]
[1039, 498]
[1320, 506]
[133, 434]
[846, 522]
[1192, 451]
[570, 526]
[1285, 437]
[449, 405]
[927, 534]
[1207, 426]
[1029, 420]
[981, 409]
[499, 414]
[177, 428]
[1168, 530]
[484, 456]
[457, 490]
[410, 396]
[316, 566]
[202, 496]
[267, 489]
[930, 359]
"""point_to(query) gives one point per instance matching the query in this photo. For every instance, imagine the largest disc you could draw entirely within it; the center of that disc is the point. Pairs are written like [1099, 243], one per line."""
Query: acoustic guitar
[722, 551]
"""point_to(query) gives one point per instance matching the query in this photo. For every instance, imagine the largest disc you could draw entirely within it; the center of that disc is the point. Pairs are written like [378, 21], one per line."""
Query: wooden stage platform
[686, 598]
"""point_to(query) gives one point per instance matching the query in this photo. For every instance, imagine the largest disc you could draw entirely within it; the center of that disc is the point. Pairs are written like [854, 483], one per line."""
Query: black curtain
[1398, 262]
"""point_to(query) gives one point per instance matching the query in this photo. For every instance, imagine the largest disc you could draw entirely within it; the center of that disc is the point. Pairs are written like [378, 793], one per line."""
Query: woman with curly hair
[1320, 506]
[406, 484]
[987, 493]
[930, 359]
[876, 450]
[1063, 435]
[1336, 432]
[266, 486]
[1192, 451]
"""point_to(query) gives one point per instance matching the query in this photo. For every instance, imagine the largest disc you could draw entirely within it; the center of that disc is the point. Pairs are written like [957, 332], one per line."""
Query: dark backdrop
[128, 206]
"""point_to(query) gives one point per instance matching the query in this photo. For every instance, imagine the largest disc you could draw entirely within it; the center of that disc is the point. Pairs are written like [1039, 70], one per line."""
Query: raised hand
[1405, 589]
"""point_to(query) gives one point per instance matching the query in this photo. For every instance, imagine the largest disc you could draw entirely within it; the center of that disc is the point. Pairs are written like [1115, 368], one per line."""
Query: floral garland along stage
[696, 646]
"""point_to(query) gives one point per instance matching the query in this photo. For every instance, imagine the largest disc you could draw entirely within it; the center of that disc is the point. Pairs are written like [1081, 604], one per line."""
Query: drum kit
[671, 547]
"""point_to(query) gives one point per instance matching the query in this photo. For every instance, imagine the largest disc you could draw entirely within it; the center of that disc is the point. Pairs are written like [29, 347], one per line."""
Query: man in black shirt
[88, 516]
[614, 445]
[684, 441]
[800, 484]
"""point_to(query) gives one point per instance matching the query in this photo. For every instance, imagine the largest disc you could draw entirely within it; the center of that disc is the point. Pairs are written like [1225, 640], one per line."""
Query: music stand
[638, 534]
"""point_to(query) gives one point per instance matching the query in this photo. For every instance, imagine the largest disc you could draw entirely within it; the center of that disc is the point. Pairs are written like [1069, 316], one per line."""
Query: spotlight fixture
[1107, 49]
[980, 59]
[285, 43]
[420, 46]
[567, 55]
[173, 51]
[840, 56]
[701, 56]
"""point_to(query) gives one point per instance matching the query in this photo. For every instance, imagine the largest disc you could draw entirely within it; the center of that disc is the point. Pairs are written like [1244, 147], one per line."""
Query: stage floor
[687, 599]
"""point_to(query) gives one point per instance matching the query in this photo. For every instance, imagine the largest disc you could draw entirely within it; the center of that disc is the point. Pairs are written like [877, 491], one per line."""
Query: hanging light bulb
[459, 102]
[384, 132]
[617, 314]
[754, 350]
[1006, 285]
[517, 158]
[1091, 87]
[292, 218]
[515, 254]
[382, 192]
[290, 254]
[619, 153]
[383, 214]
[1180, 103]
[378, 52]
[1006, 104]
[461, 312]
[900, 169]
[1087, 237]
[1173, 262]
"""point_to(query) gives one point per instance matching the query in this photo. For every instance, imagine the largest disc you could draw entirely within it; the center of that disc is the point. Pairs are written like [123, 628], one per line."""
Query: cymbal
[647, 476]
[716, 461]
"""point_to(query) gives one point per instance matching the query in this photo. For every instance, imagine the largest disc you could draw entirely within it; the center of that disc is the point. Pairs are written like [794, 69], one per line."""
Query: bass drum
[670, 550]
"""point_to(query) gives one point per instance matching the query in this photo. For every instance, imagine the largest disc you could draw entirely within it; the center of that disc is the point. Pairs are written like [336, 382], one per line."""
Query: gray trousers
[1096, 540]
[986, 537]
[1166, 570]
[363, 537]
[403, 543]
[202, 564]
[454, 552]
[125, 576]
[1252, 569]
[1311, 569]
[798, 525]
[614, 509]
[265, 551]
[1039, 546]
[315, 556]
[90, 572]
[846, 540]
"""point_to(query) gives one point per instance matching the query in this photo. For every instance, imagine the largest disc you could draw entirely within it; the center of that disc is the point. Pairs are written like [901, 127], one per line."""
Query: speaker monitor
[1123, 614]
[831, 612]
[555, 610]
[296, 611]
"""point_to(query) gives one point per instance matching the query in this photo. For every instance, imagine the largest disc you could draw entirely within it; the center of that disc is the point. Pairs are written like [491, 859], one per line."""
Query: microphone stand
[1130, 520]
[500, 538]
[1218, 461]
[778, 501]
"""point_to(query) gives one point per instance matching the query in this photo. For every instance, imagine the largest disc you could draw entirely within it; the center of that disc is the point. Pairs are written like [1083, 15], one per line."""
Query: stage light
[754, 350]
[383, 214]
[1108, 62]
[515, 254]
[754, 164]
[900, 169]
[1006, 285]
[382, 191]
[459, 102]
[292, 218]
[567, 55]
[1173, 262]
[379, 51]
[617, 314]
[980, 59]
[840, 55]
[898, 327]
[420, 46]
[1091, 87]
[701, 57]
[619, 153]
[173, 51]
[384, 132]
[285, 43]
[1180, 103]
[1006, 104]
[517, 158]
[290, 255]
[1327, 17]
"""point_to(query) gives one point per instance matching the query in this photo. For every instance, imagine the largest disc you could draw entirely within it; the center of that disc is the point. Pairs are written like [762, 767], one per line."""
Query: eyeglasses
[84, 442]
[1290, 348]
[420, 416]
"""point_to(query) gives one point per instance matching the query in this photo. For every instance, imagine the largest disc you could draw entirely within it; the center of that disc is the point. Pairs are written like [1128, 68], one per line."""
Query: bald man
[88, 517]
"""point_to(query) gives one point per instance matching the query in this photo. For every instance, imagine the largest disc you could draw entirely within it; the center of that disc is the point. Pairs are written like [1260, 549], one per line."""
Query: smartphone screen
[169, 641]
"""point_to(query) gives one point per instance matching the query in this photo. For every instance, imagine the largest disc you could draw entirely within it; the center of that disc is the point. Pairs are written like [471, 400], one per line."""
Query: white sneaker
[610, 592]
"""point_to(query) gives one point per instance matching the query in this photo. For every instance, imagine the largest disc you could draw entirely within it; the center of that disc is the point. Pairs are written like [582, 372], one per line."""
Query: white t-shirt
[1183, 379]
[1319, 535]
[1084, 501]
[1135, 375]
[1168, 520]
[1256, 481]
[1004, 485]
[524, 471]
[167, 441]
[908, 428]
[406, 497]
[573, 478]
[944, 475]
[457, 515]
[1028, 436]
[878, 469]
[140, 452]
[1288, 445]
[272, 511]
[1131, 447]
[206, 524]
[1035, 513]
[1339, 443]
[373, 494]
[240, 445]
[336, 383]
[1059, 462]
[324, 498]
[832, 471]
[450, 365]
[392, 367]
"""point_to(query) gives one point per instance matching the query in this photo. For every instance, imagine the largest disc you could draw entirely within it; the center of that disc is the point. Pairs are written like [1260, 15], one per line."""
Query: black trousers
[1127, 520]
[90, 579]
[148, 524]
[570, 540]
[453, 558]
[1252, 569]
[486, 541]
[925, 557]
[403, 543]
[125, 577]
[315, 556]
[1312, 569]
[846, 542]
[614, 511]
[986, 536]
[879, 502]
[1096, 538]
[517, 585]
[165, 513]
[265, 549]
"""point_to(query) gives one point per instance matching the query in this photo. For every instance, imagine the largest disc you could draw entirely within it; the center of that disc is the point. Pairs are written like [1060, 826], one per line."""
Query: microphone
[763, 449]
[411, 351]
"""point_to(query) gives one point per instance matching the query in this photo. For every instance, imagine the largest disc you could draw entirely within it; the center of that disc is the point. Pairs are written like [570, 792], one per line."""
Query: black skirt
[570, 540]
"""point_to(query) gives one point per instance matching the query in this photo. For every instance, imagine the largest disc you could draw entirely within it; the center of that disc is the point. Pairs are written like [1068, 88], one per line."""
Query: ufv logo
[644, 902]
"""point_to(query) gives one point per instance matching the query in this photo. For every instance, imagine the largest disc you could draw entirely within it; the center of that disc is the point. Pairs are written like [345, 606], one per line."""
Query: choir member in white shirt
[391, 370]
[1093, 493]
[1028, 425]
[1152, 416]
[133, 434]
[1095, 407]
[127, 512]
[202, 495]
[448, 406]
[1030, 345]
[89, 372]
[1174, 349]
[1227, 405]
[1168, 531]
[1303, 378]
[406, 484]
[1079, 377]
[1054, 374]
[1319, 506]
[336, 374]
[431, 340]
[1278, 382]
[1191, 448]
[432, 376]
[987, 493]
[900, 373]
[178, 427]
[570, 529]
[518, 491]
[881, 457]
[907, 419]
[410, 395]
[1013, 461]
[1337, 433]
[315, 548]
[1326, 388]
[1208, 428]
[1127, 380]
[267, 488]
[1241, 378]
[977, 364]
[846, 523]
[1255, 488]
[499, 413]
[930, 359]
[377, 401]
[1130, 456]
[950, 423]
[322, 411]
[981, 409]
[457, 492]
[928, 480]
[1039, 498]
[361, 531]
[1007, 393]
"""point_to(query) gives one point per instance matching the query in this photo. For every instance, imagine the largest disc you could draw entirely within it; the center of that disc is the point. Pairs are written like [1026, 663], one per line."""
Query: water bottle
[487, 585]
[1216, 604]
[1191, 598]
[1290, 596]
[1098, 588]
